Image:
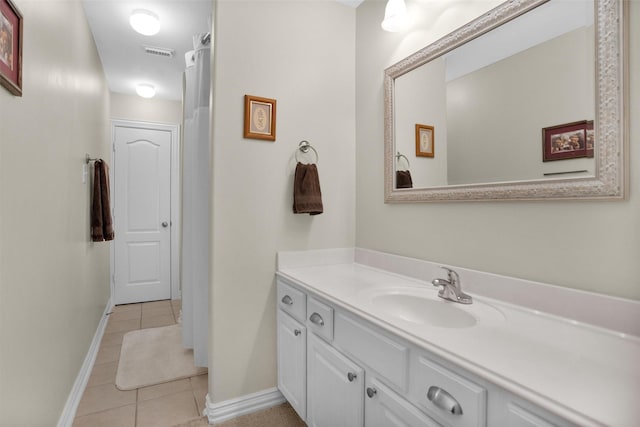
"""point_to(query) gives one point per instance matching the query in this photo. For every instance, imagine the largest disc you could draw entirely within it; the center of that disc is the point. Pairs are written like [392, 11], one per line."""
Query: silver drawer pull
[287, 300]
[443, 400]
[317, 319]
[371, 392]
[351, 377]
[297, 332]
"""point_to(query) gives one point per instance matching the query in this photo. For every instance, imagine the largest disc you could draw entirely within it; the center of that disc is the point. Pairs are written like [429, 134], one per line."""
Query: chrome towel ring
[305, 146]
[404, 157]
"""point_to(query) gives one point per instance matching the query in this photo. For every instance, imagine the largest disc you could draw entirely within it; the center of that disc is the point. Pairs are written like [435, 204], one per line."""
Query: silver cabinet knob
[317, 319]
[287, 300]
[443, 400]
[351, 377]
[165, 224]
[371, 392]
[297, 332]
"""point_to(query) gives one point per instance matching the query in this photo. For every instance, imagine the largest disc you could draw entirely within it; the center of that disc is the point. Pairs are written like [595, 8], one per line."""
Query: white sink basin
[423, 306]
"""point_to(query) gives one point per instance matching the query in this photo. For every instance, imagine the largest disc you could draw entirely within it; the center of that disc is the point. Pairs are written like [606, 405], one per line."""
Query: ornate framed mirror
[526, 102]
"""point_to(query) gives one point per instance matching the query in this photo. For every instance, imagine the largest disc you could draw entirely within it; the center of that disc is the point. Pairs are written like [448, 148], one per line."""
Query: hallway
[162, 405]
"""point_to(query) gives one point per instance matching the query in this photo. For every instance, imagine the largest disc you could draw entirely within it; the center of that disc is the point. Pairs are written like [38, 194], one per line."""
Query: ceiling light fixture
[145, 22]
[395, 16]
[146, 90]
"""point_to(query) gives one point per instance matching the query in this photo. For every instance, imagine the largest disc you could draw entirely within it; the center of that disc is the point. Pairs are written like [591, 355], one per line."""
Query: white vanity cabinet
[337, 369]
[335, 392]
[324, 387]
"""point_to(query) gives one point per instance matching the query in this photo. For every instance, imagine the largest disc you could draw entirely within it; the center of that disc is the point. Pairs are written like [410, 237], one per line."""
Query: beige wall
[421, 97]
[301, 54]
[54, 283]
[509, 124]
[592, 246]
[132, 107]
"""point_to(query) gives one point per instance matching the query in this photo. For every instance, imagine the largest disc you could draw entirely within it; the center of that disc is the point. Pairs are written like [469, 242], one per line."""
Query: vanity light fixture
[146, 90]
[145, 22]
[395, 16]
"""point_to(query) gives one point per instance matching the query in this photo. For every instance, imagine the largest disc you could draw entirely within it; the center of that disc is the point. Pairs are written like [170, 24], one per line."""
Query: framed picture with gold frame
[425, 141]
[259, 118]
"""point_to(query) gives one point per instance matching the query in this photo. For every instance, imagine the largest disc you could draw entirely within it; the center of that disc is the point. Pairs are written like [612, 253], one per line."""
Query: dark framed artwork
[425, 141]
[10, 47]
[566, 141]
[590, 138]
[259, 118]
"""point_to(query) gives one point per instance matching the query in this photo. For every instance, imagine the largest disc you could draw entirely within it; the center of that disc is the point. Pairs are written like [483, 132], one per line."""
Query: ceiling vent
[159, 51]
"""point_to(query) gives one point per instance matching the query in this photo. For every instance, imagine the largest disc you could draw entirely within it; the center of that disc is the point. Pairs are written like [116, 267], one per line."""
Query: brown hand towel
[101, 224]
[403, 179]
[307, 197]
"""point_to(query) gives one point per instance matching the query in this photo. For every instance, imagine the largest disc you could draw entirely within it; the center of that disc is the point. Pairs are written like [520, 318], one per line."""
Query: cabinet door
[384, 408]
[292, 362]
[335, 388]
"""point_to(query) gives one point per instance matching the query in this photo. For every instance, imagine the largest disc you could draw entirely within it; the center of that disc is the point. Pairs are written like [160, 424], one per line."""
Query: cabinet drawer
[384, 408]
[384, 355]
[320, 318]
[519, 417]
[292, 301]
[446, 396]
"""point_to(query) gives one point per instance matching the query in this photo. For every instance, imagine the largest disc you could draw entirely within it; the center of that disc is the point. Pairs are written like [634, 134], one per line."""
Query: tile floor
[162, 405]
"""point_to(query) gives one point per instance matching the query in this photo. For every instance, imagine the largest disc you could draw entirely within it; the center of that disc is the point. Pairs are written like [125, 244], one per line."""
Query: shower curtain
[196, 196]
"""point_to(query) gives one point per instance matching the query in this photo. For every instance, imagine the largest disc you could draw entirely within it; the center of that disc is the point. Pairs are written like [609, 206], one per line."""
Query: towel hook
[398, 155]
[88, 159]
[304, 146]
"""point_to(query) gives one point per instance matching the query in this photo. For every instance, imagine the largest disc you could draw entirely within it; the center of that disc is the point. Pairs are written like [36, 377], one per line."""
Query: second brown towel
[307, 197]
[403, 179]
[101, 224]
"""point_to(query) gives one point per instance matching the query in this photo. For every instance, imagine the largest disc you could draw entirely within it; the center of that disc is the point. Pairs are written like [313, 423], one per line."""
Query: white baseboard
[70, 408]
[219, 412]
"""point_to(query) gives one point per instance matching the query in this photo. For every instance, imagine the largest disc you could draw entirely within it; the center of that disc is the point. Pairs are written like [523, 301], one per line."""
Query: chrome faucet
[451, 288]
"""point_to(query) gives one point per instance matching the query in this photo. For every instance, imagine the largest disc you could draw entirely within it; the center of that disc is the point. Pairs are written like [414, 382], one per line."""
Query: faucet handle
[453, 277]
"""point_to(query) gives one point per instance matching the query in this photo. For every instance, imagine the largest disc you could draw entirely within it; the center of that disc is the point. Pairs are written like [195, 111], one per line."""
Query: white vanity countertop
[587, 375]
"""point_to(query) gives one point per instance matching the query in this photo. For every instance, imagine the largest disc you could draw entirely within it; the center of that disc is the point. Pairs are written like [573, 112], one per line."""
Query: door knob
[165, 224]
[351, 376]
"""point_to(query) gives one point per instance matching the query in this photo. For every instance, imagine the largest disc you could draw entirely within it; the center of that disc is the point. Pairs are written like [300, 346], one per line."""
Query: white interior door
[142, 212]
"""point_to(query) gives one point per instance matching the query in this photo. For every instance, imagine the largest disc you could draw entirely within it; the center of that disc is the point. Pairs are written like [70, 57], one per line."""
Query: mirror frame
[611, 118]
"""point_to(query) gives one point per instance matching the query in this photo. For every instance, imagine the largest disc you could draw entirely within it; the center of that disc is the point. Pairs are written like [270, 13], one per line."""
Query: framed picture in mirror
[567, 141]
[591, 138]
[425, 141]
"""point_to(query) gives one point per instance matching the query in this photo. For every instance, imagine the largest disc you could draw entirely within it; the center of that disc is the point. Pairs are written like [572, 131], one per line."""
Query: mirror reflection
[515, 104]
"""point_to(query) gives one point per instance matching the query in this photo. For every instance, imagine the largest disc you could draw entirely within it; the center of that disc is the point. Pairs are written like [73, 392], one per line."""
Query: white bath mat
[153, 356]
